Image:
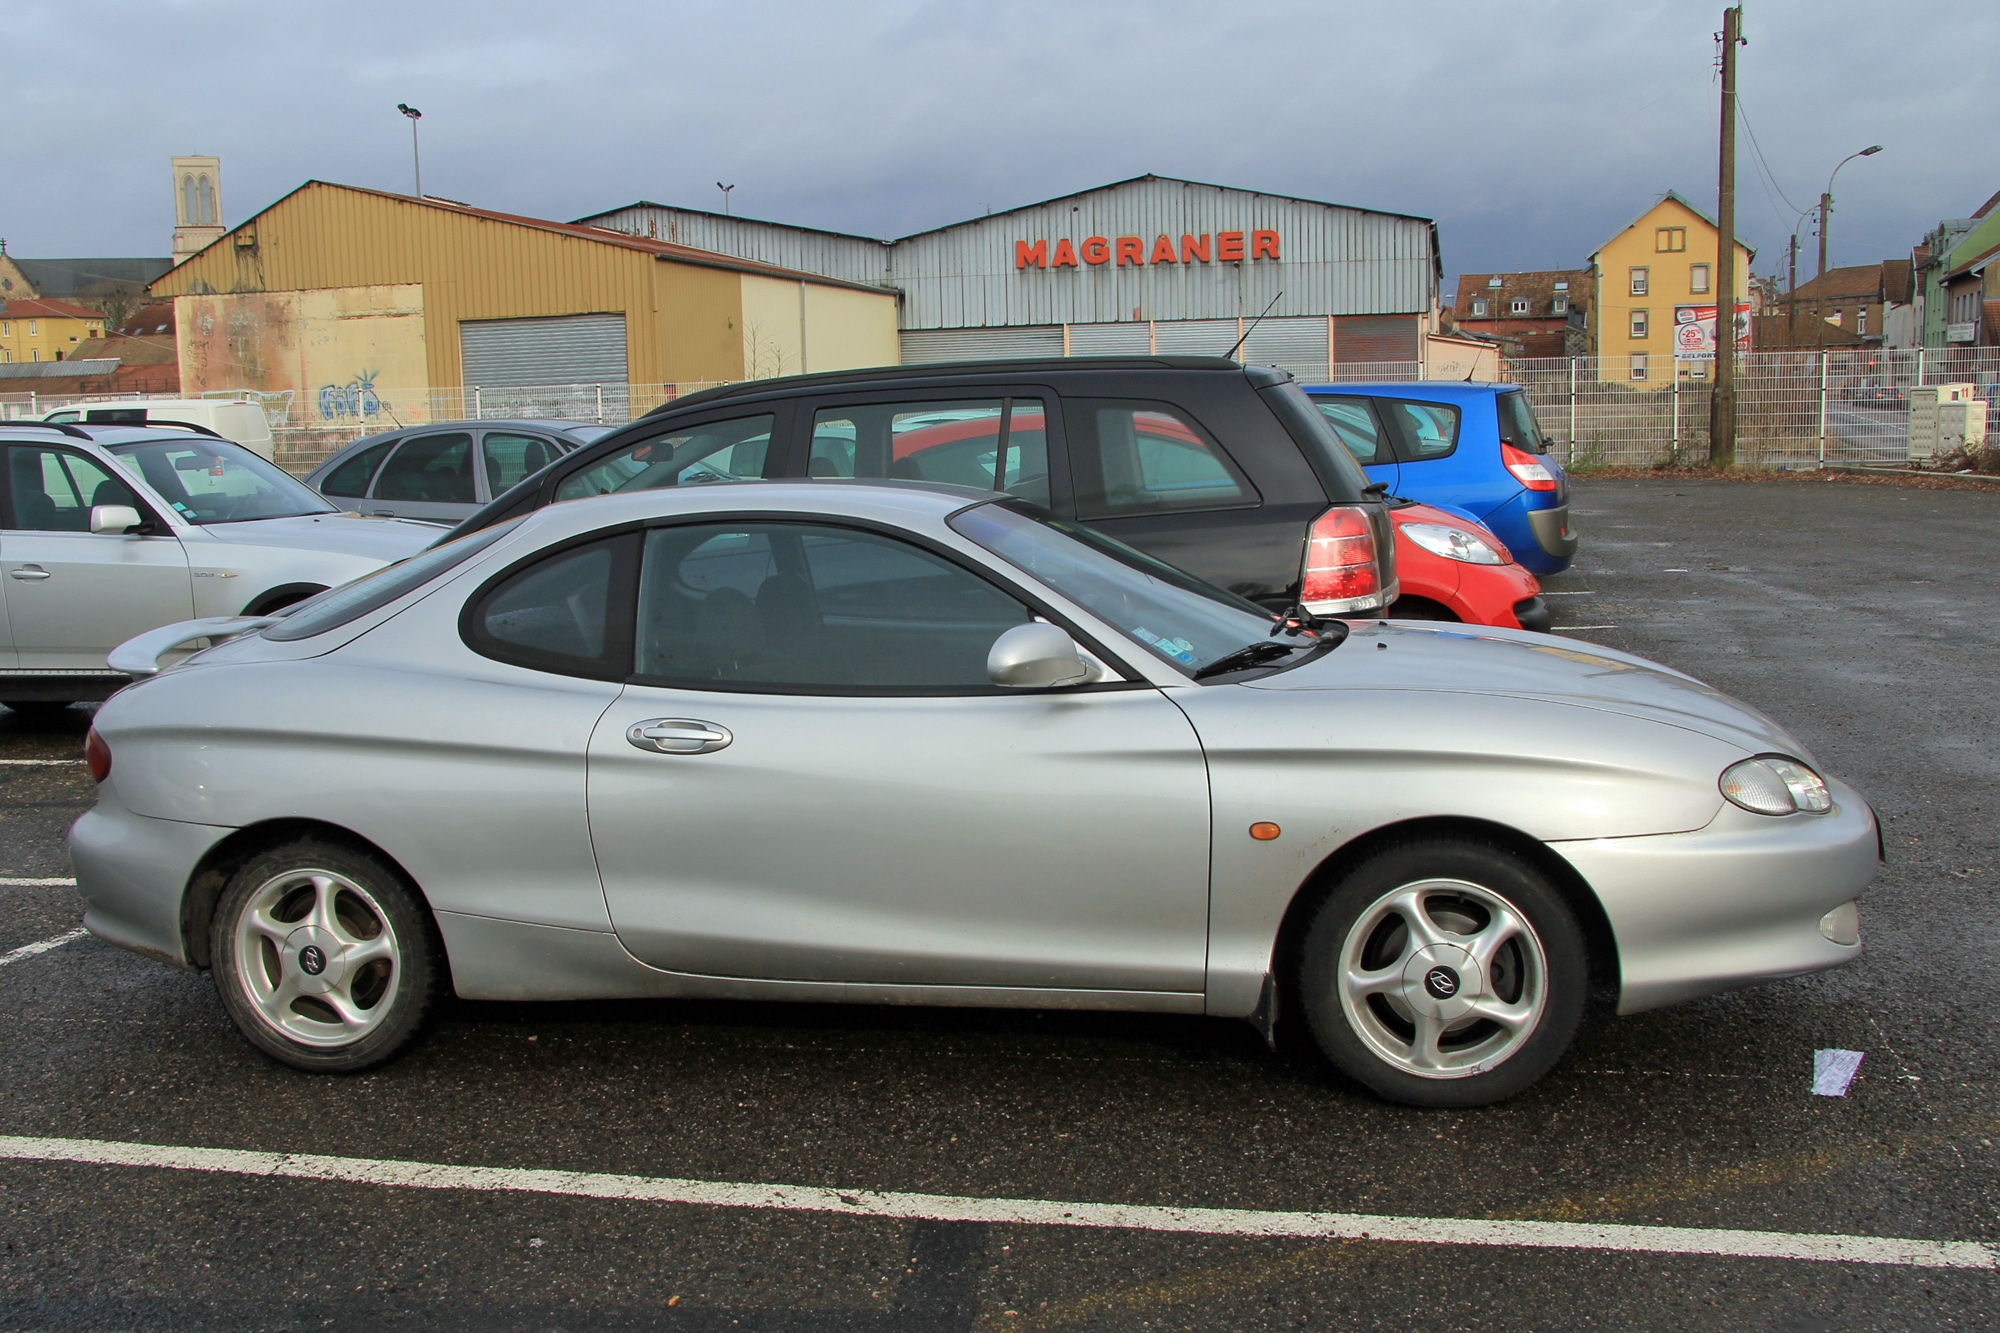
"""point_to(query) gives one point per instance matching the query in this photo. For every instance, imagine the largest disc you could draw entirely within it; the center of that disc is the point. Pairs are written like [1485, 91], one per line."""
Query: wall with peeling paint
[336, 350]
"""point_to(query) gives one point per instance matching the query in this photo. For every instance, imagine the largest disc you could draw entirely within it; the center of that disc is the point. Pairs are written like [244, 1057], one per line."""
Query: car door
[428, 476]
[810, 777]
[74, 595]
[507, 457]
[1355, 421]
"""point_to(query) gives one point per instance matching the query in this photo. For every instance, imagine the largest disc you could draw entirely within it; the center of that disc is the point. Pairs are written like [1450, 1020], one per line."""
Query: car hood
[342, 534]
[1466, 659]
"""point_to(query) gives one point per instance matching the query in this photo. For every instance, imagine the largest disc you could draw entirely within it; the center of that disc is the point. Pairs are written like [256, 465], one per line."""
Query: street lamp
[1826, 202]
[1823, 210]
[415, 161]
[725, 196]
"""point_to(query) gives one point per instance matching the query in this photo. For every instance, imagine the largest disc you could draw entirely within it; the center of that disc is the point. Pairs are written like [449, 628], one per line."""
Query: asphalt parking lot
[1866, 619]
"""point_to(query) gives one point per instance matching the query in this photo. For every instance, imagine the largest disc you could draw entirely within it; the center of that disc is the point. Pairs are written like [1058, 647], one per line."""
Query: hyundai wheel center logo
[313, 959]
[1441, 982]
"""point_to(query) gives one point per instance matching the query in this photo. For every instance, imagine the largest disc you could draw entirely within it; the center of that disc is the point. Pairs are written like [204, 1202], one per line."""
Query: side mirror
[114, 518]
[1035, 657]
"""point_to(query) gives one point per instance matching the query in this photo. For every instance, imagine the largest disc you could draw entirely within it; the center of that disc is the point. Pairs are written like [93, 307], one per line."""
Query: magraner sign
[1223, 247]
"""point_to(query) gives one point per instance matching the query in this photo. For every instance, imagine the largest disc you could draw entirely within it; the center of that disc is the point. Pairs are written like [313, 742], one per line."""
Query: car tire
[1420, 608]
[38, 710]
[1473, 1005]
[325, 957]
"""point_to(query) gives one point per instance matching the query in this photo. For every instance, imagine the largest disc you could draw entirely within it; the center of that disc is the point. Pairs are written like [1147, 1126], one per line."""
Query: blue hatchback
[1473, 449]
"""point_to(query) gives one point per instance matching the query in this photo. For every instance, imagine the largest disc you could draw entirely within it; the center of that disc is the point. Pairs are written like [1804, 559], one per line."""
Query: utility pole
[1791, 293]
[1722, 404]
[416, 162]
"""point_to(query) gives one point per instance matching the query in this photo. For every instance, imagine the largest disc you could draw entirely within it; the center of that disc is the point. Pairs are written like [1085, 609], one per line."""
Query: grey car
[444, 472]
[113, 530]
[919, 744]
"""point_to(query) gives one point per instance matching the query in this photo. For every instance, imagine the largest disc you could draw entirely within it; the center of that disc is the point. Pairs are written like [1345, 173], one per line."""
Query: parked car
[916, 743]
[237, 420]
[1475, 450]
[114, 530]
[1222, 469]
[444, 472]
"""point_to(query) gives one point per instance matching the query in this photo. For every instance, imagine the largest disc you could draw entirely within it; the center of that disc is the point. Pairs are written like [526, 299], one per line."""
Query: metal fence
[1794, 409]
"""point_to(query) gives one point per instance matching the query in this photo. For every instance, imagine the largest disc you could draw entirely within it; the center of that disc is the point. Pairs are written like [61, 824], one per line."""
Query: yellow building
[346, 298]
[1665, 259]
[38, 330]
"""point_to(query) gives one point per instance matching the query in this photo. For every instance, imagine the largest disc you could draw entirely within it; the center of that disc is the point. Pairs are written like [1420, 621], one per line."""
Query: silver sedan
[899, 743]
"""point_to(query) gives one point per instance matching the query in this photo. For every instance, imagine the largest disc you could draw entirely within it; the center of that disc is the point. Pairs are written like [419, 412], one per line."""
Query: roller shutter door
[1297, 344]
[1376, 338]
[570, 349]
[1195, 337]
[925, 345]
[1134, 339]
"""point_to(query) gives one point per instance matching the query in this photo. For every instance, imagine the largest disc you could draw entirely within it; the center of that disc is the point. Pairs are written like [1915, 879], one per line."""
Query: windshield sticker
[1179, 649]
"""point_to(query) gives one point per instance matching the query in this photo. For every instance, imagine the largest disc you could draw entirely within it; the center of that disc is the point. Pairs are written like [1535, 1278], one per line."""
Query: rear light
[97, 755]
[1342, 569]
[1527, 469]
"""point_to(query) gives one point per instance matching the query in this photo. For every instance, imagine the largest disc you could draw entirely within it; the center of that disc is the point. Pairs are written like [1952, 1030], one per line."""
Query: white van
[232, 419]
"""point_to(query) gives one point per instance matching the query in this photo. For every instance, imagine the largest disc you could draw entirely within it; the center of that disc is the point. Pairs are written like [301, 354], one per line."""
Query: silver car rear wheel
[325, 956]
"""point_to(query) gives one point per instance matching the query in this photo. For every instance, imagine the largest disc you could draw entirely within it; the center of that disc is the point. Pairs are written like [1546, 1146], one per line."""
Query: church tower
[197, 204]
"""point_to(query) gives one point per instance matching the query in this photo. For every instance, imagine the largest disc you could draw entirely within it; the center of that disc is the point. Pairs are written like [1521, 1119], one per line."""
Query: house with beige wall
[342, 297]
[1665, 258]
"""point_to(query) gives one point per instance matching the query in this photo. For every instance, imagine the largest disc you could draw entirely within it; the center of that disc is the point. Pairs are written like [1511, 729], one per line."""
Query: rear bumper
[133, 872]
[1734, 904]
[1552, 532]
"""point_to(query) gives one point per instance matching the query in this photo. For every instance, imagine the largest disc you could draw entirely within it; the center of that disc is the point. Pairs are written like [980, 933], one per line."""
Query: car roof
[97, 433]
[890, 500]
[1041, 365]
[1442, 390]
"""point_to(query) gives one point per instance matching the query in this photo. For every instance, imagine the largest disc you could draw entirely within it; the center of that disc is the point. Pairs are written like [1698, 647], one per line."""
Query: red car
[1450, 568]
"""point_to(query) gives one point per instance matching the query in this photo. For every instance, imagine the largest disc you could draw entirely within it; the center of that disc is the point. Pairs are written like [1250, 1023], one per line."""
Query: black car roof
[1041, 365]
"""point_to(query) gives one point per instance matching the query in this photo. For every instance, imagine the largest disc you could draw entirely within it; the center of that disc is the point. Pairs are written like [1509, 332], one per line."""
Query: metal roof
[75, 368]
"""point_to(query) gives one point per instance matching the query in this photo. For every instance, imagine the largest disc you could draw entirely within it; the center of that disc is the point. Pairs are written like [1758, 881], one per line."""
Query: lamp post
[415, 161]
[1826, 211]
[725, 196]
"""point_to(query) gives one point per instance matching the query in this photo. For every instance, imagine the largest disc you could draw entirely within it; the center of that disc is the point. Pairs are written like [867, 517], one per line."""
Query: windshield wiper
[1249, 655]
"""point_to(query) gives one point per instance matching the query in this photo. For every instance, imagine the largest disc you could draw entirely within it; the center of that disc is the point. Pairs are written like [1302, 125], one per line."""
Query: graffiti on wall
[355, 399]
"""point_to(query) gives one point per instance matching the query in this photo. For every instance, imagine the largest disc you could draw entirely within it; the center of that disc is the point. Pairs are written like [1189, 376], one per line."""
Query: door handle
[677, 735]
[28, 573]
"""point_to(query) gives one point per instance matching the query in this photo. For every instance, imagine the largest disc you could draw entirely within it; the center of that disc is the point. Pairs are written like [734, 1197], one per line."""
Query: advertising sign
[1694, 331]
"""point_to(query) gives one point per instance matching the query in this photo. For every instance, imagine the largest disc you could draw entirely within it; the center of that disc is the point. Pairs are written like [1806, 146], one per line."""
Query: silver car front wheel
[324, 957]
[1444, 973]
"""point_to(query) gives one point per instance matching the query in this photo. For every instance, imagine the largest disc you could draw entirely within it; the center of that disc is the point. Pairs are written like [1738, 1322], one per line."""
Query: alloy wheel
[317, 957]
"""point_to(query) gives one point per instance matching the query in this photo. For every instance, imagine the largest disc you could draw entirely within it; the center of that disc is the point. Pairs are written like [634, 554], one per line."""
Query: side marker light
[1264, 832]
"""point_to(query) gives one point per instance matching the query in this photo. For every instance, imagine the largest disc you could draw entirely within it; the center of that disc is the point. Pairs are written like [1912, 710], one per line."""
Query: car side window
[734, 450]
[1147, 458]
[957, 442]
[569, 612]
[429, 468]
[1430, 430]
[54, 490]
[813, 609]
[511, 457]
[350, 480]
[1354, 422]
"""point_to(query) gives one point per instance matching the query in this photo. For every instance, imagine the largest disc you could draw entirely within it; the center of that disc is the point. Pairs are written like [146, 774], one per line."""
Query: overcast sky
[1532, 130]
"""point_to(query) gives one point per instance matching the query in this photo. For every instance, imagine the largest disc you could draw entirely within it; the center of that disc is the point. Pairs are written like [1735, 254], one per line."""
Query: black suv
[1227, 471]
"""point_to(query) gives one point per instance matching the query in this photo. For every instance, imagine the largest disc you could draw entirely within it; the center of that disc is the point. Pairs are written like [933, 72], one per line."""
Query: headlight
[1452, 543]
[1774, 785]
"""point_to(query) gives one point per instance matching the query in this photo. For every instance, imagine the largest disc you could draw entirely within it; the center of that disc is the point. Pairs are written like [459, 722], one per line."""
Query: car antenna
[1253, 327]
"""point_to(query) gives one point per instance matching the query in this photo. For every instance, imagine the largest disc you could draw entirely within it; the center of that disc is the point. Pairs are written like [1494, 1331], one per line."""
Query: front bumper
[1734, 904]
[133, 872]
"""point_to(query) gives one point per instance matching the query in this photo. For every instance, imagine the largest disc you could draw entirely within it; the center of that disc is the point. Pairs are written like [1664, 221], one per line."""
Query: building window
[1639, 281]
[1697, 277]
[1670, 240]
[1559, 306]
[1518, 306]
[1638, 323]
[1861, 320]
[1697, 370]
[1493, 281]
[1479, 309]
[34, 353]
[34, 327]
[6, 357]
[1638, 365]
[6, 328]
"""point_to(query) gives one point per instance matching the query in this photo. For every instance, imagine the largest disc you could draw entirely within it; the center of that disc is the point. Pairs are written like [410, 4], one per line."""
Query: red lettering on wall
[1163, 251]
[1192, 249]
[1131, 250]
[1263, 245]
[1228, 246]
[1037, 254]
[1096, 250]
[1065, 255]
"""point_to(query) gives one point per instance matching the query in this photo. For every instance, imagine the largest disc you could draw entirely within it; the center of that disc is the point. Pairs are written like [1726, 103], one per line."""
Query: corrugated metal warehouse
[1152, 264]
[339, 294]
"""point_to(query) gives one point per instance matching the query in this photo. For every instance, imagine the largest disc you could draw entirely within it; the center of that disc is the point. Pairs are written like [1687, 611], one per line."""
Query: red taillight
[97, 755]
[1527, 469]
[1340, 573]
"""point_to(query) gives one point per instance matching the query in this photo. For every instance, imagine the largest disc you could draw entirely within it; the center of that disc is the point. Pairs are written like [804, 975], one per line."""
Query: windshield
[1518, 426]
[1328, 457]
[214, 481]
[1172, 614]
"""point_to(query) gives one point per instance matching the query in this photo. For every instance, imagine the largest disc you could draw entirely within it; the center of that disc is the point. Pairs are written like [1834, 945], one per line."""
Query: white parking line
[38, 762]
[1019, 1212]
[7, 882]
[1566, 629]
[41, 946]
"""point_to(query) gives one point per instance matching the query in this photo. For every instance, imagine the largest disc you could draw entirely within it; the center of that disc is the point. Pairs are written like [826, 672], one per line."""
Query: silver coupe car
[113, 530]
[912, 743]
